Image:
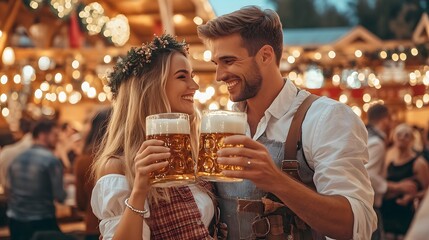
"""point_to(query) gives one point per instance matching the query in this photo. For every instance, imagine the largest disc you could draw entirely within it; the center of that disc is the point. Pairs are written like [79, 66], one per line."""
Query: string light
[93, 18]
[383, 54]
[358, 53]
[198, 21]
[414, 51]
[118, 30]
[63, 7]
[332, 54]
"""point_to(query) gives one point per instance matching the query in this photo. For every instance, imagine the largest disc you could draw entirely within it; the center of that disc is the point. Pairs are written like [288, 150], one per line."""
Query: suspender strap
[293, 139]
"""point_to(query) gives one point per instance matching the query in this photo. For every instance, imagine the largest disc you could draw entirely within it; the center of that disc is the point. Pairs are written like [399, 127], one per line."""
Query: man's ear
[266, 54]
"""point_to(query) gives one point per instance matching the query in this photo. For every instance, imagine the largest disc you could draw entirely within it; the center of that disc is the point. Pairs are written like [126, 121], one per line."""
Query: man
[36, 180]
[378, 128]
[246, 48]
[10, 152]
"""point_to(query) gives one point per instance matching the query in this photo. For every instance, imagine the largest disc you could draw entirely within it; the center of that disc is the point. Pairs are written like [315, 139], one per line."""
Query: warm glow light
[44, 86]
[107, 59]
[318, 56]
[75, 64]
[62, 97]
[3, 79]
[1, 34]
[210, 91]
[92, 92]
[291, 59]
[17, 79]
[414, 52]
[296, 53]
[343, 98]
[408, 98]
[383, 54]
[214, 106]
[223, 89]
[5, 112]
[403, 56]
[58, 77]
[76, 74]
[198, 20]
[358, 53]
[75, 97]
[336, 80]
[8, 56]
[366, 97]
[38, 94]
[365, 107]
[292, 75]
[332, 54]
[85, 86]
[419, 103]
[3, 98]
[178, 18]
[207, 56]
[395, 57]
[102, 97]
[44, 63]
[426, 98]
[69, 87]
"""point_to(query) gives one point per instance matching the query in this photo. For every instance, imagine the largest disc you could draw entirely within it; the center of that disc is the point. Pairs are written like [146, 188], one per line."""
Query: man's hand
[255, 159]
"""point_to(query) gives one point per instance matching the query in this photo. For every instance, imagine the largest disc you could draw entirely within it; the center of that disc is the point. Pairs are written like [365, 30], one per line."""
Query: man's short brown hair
[377, 112]
[256, 27]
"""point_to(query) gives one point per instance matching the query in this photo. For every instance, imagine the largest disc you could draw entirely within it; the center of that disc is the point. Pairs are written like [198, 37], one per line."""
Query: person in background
[246, 47]
[10, 152]
[403, 166]
[152, 79]
[82, 172]
[36, 181]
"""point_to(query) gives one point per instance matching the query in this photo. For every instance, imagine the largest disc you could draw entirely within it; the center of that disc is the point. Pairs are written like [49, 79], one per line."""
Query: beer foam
[223, 123]
[167, 126]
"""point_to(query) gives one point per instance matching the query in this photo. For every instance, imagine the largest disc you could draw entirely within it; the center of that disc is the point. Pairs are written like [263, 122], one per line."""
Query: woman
[82, 167]
[155, 78]
[403, 165]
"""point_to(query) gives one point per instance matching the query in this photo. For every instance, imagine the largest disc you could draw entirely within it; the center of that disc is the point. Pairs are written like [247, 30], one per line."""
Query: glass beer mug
[215, 126]
[174, 130]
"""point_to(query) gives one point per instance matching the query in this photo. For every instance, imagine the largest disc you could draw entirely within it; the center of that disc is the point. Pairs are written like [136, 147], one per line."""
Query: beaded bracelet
[140, 212]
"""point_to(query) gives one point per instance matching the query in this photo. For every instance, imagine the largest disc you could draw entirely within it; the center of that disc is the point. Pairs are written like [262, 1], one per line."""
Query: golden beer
[174, 130]
[215, 126]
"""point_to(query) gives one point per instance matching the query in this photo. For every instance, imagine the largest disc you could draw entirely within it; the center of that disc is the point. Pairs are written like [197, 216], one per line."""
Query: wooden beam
[10, 19]
[166, 12]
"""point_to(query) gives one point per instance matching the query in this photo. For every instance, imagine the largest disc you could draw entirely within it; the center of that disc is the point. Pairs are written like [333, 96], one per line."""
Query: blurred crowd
[45, 166]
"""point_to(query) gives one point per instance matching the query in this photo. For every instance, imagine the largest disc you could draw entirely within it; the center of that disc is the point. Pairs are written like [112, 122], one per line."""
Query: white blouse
[110, 192]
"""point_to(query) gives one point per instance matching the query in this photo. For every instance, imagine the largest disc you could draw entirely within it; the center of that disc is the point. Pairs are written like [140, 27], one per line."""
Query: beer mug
[215, 126]
[174, 130]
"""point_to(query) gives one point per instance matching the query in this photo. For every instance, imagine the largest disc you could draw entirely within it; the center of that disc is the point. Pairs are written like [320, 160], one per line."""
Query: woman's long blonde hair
[137, 98]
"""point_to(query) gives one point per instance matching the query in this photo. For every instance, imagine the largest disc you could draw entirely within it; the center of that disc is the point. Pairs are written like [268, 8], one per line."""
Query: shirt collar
[281, 104]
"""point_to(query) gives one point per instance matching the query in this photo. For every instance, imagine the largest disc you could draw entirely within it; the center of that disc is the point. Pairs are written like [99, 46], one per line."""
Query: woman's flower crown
[138, 59]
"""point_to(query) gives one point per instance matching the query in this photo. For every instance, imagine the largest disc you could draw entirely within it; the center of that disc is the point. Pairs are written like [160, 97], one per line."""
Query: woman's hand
[150, 158]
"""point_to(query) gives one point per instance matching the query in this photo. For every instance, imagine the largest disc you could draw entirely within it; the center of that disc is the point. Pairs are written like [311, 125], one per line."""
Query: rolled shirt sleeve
[335, 144]
[107, 202]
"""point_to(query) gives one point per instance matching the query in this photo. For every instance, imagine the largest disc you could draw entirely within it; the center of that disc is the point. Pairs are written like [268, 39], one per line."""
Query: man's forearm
[331, 216]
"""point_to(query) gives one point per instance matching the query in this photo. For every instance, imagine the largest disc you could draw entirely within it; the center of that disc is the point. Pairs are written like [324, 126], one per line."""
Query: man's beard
[252, 84]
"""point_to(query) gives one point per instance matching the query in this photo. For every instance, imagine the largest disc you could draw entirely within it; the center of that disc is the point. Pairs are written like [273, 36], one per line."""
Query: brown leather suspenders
[293, 141]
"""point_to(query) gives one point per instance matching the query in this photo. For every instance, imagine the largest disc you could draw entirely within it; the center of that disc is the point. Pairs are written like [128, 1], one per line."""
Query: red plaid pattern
[178, 219]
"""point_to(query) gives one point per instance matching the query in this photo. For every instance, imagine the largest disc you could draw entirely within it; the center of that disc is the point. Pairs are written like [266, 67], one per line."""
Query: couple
[247, 47]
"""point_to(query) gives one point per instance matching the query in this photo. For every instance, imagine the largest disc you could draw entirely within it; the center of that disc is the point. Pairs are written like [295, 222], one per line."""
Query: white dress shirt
[335, 146]
[375, 166]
